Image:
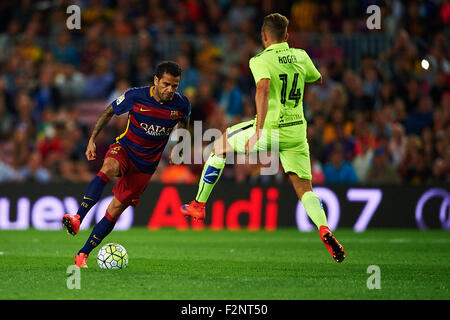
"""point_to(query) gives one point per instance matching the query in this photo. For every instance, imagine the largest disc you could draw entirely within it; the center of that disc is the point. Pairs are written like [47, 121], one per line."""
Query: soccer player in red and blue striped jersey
[153, 112]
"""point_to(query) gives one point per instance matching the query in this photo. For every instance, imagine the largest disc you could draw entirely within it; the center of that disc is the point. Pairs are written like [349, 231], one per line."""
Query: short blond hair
[275, 24]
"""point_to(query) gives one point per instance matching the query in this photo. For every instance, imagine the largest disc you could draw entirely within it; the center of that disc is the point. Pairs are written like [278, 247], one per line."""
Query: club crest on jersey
[175, 114]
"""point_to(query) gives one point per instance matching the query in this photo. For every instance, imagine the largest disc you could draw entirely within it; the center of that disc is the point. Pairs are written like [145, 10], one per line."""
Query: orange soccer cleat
[335, 248]
[80, 260]
[72, 223]
[195, 209]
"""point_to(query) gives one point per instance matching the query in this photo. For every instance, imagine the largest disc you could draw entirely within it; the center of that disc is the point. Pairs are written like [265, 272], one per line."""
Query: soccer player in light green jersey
[280, 74]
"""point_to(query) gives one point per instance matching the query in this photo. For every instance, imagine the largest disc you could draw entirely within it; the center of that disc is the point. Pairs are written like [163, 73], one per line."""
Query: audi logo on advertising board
[247, 207]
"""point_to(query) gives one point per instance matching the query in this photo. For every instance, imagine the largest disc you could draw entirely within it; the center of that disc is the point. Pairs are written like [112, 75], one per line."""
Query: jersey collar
[152, 94]
[280, 45]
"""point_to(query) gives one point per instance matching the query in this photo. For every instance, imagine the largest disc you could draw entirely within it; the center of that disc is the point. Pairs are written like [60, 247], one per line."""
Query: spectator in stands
[8, 39]
[441, 171]
[315, 137]
[346, 141]
[359, 101]
[338, 99]
[8, 173]
[381, 170]
[240, 12]
[304, 14]
[371, 83]
[51, 147]
[6, 118]
[338, 171]
[46, 94]
[421, 117]
[70, 83]
[231, 98]
[414, 169]
[397, 145]
[428, 144]
[190, 76]
[365, 143]
[99, 83]
[363, 161]
[375, 91]
[64, 51]
[380, 126]
[318, 177]
[337, 16]
[329, 55]
[34, 171]
[204, 105]
[439, 87]
[122, 85]
[338, 121]
[325, 91]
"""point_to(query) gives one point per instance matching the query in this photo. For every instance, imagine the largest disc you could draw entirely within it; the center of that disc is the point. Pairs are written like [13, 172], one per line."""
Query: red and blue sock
[93, 193]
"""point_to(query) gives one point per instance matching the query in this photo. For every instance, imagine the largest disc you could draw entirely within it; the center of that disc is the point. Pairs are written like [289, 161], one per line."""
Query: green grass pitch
[195, 265]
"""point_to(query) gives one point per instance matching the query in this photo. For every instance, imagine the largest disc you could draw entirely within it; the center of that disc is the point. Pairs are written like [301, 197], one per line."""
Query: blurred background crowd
[382, 115]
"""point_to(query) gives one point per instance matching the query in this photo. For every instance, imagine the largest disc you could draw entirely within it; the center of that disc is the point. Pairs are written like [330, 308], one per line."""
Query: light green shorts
[291, 142]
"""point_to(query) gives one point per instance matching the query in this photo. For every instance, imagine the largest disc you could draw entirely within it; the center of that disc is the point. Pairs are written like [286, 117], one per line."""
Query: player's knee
[110, 169]
[219, 147]
[301, 186]
[115, 208]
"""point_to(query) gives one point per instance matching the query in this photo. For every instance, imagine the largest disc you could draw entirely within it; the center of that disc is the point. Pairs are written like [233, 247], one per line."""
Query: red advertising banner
[233, 207]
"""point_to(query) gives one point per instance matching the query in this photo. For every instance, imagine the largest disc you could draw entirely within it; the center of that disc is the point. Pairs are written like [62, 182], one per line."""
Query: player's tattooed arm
[99, 125]
[102, 121]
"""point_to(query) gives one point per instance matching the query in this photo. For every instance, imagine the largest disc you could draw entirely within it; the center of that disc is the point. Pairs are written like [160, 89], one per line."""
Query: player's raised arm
[99, 125]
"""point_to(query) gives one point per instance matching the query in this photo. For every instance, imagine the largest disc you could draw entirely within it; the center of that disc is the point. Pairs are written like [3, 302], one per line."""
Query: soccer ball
[112, 256]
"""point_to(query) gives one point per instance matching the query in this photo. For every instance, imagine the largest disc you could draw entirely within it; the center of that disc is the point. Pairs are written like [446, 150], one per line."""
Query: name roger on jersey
[287, 59]
[155, 130]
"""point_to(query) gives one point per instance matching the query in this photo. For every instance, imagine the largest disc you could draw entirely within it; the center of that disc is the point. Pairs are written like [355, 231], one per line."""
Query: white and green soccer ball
[112, 256]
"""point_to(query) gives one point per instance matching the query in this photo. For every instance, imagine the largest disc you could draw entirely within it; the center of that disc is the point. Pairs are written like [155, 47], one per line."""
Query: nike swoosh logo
[145, 109]
[88, 198]
[96, 237]
[212, 174]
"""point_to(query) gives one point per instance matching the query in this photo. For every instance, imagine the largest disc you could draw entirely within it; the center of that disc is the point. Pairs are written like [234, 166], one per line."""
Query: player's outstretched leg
[93, 193]
[211, 173]
[314, 209]
[100, 231]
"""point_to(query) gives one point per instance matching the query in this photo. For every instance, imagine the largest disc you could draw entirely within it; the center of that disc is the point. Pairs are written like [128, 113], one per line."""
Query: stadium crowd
[386, 121]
